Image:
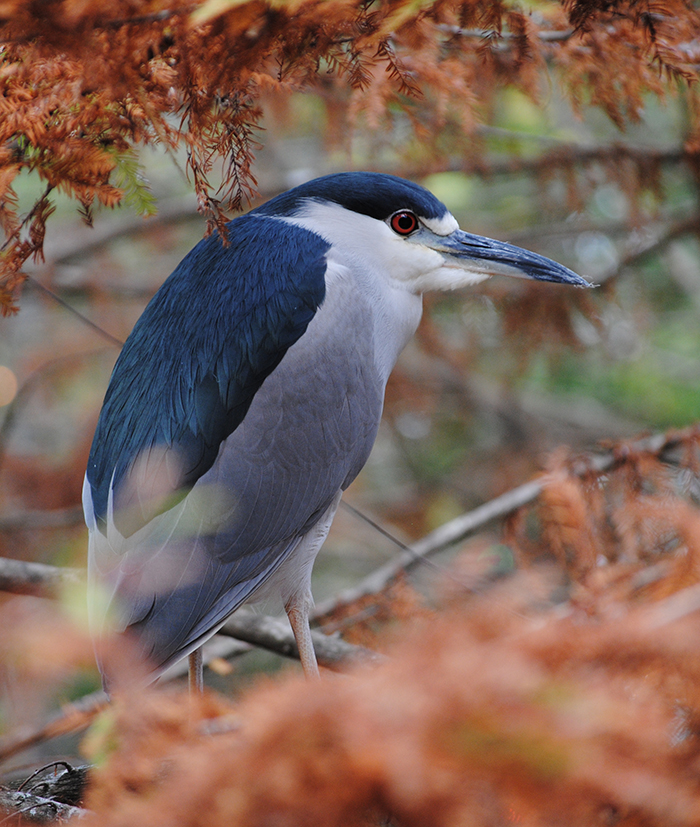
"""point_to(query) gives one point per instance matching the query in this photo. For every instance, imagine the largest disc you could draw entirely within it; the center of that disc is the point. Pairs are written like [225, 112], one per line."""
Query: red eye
[403, 222]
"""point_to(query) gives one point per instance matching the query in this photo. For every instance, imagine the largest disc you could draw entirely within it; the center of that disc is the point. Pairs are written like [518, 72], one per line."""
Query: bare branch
[81, 713]
[39, 579]
[276, 636]
[566, 154]
[461, 527]
[71, 718]
[54, 518]
[501, 38]
[660, 242]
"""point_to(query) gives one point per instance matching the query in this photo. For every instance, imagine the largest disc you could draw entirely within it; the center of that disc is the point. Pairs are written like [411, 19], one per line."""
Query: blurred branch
[276, 636]
[39, 579]
[71, 718]
[504, 41]
[55, 518]
[566, 154]
[460, 528]
[61, 248]
[669, 234]
[557, 36]
[579, 419]
[675, 607]
[81, 713]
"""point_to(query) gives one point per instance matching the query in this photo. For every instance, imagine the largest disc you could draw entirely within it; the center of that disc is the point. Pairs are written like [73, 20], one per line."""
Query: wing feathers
[202, 348]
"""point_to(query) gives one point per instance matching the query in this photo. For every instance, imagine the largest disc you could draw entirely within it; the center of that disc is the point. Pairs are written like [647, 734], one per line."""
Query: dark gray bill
[481, 254]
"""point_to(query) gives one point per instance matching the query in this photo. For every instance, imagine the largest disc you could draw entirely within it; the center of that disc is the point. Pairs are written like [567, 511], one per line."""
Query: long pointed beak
[488, 257]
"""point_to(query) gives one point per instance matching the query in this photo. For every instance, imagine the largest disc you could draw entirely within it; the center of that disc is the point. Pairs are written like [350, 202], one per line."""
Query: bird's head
[401, 230]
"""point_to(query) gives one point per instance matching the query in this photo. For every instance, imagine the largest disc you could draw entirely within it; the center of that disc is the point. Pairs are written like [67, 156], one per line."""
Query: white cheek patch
[449, 278]
[444, 225]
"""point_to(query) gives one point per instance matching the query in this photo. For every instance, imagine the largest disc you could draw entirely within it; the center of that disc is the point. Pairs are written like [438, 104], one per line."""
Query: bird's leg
[195, 672]
[297, 609]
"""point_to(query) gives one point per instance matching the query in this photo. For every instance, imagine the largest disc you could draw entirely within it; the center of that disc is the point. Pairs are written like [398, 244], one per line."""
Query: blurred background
[498, 377]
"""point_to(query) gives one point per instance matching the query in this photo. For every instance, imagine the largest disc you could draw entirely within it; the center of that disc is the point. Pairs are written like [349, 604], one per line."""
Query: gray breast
[307, 434]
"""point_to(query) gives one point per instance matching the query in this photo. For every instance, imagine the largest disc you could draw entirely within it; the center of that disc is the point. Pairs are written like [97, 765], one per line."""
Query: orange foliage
[494, 715]
[630, 532]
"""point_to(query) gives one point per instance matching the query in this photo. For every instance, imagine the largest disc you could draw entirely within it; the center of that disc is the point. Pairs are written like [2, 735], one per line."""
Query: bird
[248, 397]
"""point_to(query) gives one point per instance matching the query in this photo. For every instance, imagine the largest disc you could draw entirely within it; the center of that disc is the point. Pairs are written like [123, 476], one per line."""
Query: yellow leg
[298, 613]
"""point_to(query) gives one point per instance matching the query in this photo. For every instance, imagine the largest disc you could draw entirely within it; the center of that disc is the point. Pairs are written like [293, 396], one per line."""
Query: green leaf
[129, 178]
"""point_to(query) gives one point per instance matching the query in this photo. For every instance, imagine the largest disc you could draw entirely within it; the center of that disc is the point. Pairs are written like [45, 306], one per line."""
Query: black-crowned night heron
[248, 396]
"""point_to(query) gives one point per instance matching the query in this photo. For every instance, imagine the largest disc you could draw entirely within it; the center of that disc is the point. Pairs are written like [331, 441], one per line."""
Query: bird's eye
[403, 222]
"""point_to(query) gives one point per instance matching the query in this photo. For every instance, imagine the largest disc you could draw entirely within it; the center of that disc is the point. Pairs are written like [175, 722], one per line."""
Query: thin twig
[84, 319]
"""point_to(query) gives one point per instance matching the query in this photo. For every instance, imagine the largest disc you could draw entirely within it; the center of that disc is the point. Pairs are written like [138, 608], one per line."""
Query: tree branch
[51, 518]
[276, 636]
[461, 527]
[566, 154]
[81, 713]
[38, 579]
[71, 718]
[500, 38]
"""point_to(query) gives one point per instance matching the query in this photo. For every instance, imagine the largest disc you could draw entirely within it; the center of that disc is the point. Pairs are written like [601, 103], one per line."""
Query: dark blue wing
[188, 372]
